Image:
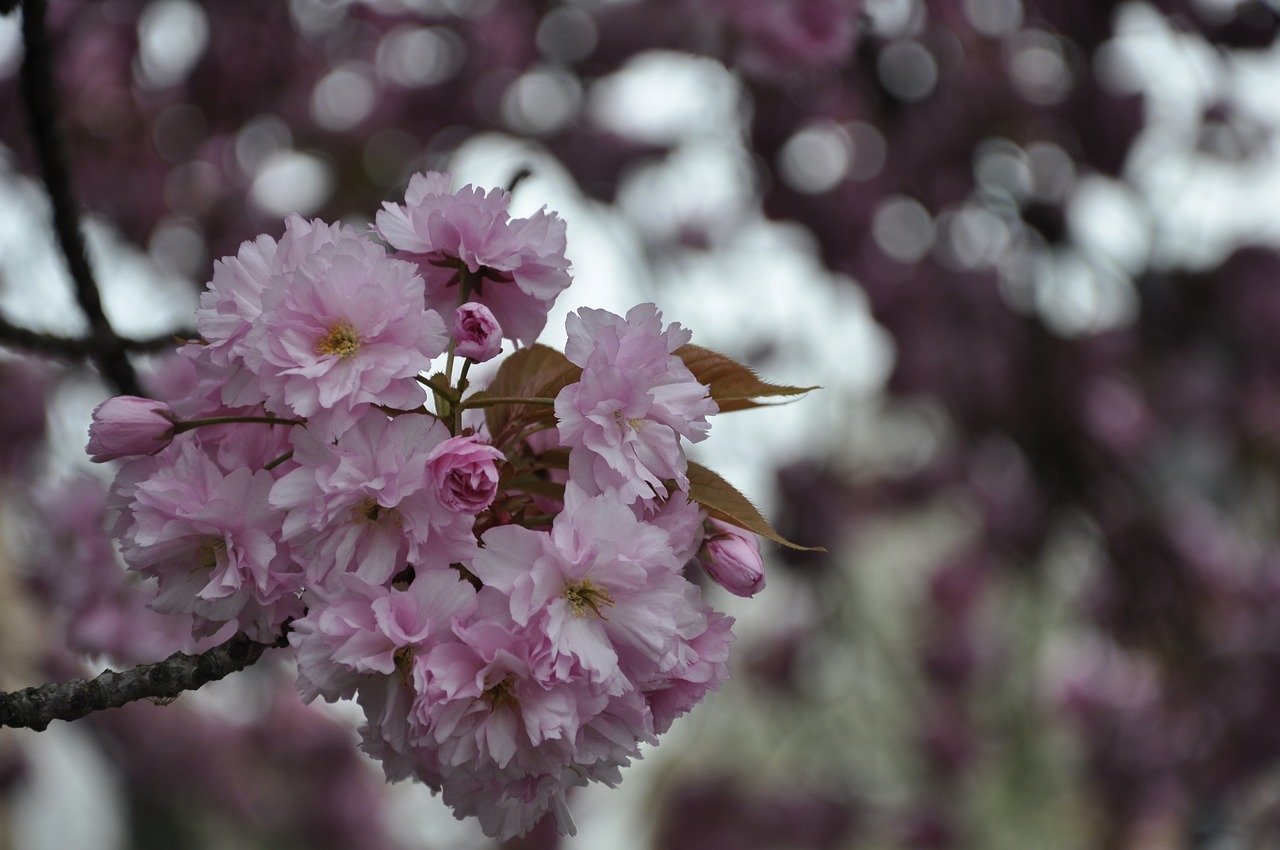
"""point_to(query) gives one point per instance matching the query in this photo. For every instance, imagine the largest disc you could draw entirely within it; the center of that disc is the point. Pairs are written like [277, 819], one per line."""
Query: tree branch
[40, 100]
[35, 708]
[15, 336]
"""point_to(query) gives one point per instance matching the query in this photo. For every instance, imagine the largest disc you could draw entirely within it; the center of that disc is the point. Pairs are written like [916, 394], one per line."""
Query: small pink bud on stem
[127, 425]
[476, 333]
[731, 556]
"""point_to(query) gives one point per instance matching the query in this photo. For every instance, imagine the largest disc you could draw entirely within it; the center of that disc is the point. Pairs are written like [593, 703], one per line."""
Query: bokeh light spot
[420, 56]
[1000, 168]
[869, 150]
[1053, 171]
[177, 245]
[903, 229]
[566, 34]
[894, 18]
[1038, 67]
[994, 18]
[541, 101]
[258, 139]
[816, 158]
[662, 97]
[344, 97]
[291, 182]
[907, 70]
[172, 35]
[971, 237]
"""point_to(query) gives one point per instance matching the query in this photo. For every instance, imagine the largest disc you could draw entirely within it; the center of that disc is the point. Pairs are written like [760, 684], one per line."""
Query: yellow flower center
[501, 695]
[404, 663]
[368, 510]
[341, 341]
[585, 598]
[210, 552]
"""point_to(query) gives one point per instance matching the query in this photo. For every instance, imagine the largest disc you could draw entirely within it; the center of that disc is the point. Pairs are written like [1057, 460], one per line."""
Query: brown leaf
[723, 501]
[733, 385]
[534, 372]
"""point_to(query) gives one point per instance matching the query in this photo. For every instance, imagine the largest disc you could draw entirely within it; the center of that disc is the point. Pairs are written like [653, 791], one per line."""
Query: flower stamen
[209, 553]
[368, 510]
[584, 597]
[404, 663]
[501, 695]
[342, 340]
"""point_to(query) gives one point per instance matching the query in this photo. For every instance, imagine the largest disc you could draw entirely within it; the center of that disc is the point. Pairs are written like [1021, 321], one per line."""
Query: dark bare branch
[15, 336]
[35, 708]
[40, 100]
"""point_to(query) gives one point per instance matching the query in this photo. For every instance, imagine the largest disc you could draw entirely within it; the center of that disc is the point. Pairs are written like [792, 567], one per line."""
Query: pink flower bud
[731, 556]
[476, 332]
[465, 473]
[128, 425]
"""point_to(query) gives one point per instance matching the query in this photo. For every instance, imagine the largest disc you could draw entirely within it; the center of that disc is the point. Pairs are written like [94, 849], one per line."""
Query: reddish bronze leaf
[733, 385]
[723, 501]
[534, 372]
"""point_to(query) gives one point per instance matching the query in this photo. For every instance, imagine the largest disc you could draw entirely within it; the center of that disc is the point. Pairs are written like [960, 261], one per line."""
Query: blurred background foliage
[1027, 245]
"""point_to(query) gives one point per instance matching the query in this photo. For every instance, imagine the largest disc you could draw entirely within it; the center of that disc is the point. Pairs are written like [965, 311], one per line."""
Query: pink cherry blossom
[731, 556]
[127, 425]
[464, 472]
[500, 672]
[681, 518]
[624, 419]
[598, 581]
[232, 304]
[516, 266]
[345, 330]
[485, 705]
[369, 630]
[706, 651]
[210, 538]
[370, 639]
[79, 573]
[476, 333]
[364, 504]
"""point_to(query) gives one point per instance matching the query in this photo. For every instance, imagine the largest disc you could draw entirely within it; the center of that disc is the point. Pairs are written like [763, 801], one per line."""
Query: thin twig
[40, 99]
[35, 708]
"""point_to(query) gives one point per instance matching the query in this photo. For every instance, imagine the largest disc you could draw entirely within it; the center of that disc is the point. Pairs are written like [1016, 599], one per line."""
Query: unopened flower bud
[731, 556]
[127, 425]
[465, 474]
[476, 333]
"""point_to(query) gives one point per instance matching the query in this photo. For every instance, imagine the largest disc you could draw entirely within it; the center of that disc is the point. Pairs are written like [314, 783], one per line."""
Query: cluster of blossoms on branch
[497, 574]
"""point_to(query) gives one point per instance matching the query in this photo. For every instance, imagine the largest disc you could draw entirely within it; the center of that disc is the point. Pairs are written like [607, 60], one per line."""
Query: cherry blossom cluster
[496, 575]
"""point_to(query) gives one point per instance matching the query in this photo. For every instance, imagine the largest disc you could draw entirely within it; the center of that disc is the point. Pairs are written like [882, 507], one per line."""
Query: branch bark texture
[40, 99]
[34, 708]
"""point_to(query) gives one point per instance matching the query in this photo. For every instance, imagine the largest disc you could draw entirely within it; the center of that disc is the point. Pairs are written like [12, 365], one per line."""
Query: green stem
[436, 386]
[273, 464]
[192, 424]
[465, 285]
[462, 388]
[493, 401]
